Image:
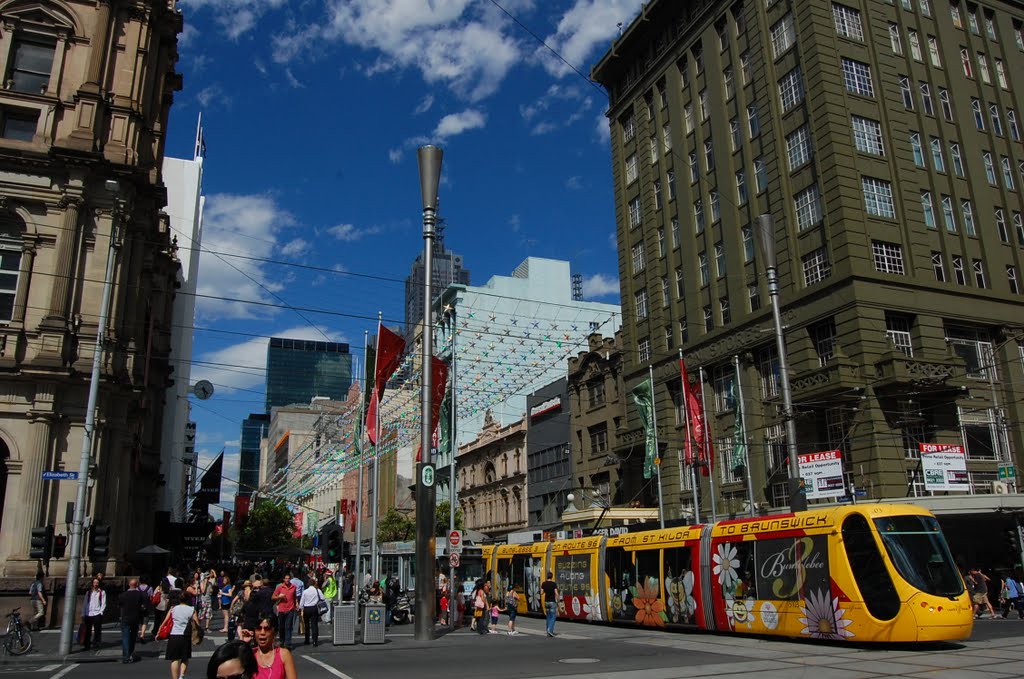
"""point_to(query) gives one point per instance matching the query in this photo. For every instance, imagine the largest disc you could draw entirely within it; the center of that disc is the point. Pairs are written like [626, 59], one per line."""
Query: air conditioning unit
[561, 535]
[1000, 488]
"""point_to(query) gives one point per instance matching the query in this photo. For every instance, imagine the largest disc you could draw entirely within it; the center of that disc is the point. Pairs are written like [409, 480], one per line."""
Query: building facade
[548, 456]
[254, 429]
[300, 370]
[491, 471]
[447, 271]
[83, 114]
[884, 140]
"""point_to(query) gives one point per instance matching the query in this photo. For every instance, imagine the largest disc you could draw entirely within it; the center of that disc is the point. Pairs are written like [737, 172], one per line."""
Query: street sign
[60, 476]
[427, 475]
[453, 560]
[860, 492]
[1007, 472]
[455, 541]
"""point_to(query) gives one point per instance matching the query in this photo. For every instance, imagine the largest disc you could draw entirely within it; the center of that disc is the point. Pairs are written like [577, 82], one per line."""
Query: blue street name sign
[60, 476]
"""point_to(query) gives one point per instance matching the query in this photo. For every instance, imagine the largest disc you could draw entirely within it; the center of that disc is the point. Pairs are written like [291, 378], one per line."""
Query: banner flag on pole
[438, 387]
[690, 403]
[445, 425]
[388, 355]
[643, 394]
[701, 432]
[739, 437]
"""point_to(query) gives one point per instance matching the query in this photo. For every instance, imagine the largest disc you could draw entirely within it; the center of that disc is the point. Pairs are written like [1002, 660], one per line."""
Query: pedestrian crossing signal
[99, 541]
[41, 545]
[333, 547]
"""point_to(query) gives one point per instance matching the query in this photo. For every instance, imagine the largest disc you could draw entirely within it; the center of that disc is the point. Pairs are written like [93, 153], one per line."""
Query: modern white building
[184, 182]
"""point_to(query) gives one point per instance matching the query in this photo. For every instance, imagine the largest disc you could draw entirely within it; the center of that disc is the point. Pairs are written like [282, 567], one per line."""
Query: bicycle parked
[18, 640]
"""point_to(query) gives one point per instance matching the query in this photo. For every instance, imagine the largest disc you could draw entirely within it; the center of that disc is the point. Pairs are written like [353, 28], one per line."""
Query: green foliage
[442, 520]
[269, 526]
[395, 527]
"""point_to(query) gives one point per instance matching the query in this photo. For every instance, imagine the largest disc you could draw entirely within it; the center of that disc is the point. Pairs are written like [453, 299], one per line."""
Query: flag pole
[707, 448]
[657, 452]
[741, 414]
[374, 566]
[453, 449]
[360, 451]
[688, 442]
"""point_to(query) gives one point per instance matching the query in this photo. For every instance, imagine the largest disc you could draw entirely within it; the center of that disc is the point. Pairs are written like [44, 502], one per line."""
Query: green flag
[445, 426]
[739, 436]
[643, 394]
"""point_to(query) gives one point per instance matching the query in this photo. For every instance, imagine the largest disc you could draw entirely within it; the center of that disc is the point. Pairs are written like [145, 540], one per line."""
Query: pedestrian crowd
[1009, 595]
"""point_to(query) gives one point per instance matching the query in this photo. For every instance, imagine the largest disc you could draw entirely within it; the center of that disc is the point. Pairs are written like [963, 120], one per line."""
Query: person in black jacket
[391, 592]
[259, 603]
[134, 604]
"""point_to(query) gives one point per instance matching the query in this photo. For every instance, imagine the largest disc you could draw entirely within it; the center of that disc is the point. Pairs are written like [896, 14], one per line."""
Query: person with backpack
[512, 607]
[391, 592]
[1012, 596]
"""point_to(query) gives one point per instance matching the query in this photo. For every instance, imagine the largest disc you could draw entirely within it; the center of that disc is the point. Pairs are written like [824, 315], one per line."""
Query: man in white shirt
[92, 614]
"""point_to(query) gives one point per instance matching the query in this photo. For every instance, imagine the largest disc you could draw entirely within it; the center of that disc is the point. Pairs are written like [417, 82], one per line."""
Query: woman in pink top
[273, 662]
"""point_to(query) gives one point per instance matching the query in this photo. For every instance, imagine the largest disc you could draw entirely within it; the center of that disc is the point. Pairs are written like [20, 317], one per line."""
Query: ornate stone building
[83, 111]
[492, 478]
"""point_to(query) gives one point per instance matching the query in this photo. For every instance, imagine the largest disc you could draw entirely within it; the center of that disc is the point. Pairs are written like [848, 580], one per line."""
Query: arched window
[490, 474]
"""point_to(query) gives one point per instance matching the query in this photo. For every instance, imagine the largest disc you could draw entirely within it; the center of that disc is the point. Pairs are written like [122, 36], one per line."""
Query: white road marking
[49, 668]
[336, 672]
[64, 671]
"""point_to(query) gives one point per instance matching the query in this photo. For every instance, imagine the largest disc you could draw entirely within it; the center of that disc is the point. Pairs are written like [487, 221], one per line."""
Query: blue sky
[312, 112]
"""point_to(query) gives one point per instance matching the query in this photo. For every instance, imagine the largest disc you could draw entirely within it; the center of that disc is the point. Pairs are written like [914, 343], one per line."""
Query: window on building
[878, 197]
[768, 370]
[997, 124]
[798, 145]
[628, 127]
[734, 134]
[652, 144]
[713, 203]
[694, 168]
[753, 124]
[954, 11]
[979, 273]
[965, 59]
[1018, 34]
[1011, 278]
[675, 232]
[974, 346]
[745, 68]
[1001, 74]
[983, 68]
[639, 261]
[18, 124]
[709, 155]
[897, 330]
[949, 217]
[928, 208]
[906, 93]
[688, 117]
[661, 241]
[1004, 235]
[670, 338]
[1007, 173]
[947, 107]
[888, 257]
[702, 264]
[958, 270]
[720, 268]
[791, 89]
[967, 212]
[671, 185]
[925, 7]
[684, 72]
[658, 200]
[972, 21]
[894, 39]
[698, 216]
[867, 135]
[640, 302]
[666, 137]
[748, 243]
[915, 45]
[938, 161]
[817, 266]
[1011, 122]
[728, 84]
[783, 35]
[643, 350]
[631, 172]
[680, 285]
[724, 379]
[807, 205]
[958, 161]
[31, 61]
[723, 308]
[760, 175]
[709, 320]
[857, 76]
[979, 117]
[937, 267]
[595, 392]
[1018, 226]
[926, 99]
[990, 167]
[705, 110]
[741, 188]
[823, 335]
[847, 22]
[684, 331]
[917, 149]
[634, 212]
[933, 52]
[10, 273]
[753, 297]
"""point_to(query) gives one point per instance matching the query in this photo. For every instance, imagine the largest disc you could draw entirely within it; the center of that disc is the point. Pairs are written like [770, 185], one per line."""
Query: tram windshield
[918, 549]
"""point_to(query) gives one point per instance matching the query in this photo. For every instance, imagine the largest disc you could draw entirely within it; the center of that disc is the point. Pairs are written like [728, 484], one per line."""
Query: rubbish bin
[344, 616]
[373, 623]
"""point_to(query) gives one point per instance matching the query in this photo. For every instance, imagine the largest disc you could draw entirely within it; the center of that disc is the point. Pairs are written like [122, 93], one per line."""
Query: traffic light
[1010, 538]
[333, 547]
[99, 541]
[41, 546]
[60, 544]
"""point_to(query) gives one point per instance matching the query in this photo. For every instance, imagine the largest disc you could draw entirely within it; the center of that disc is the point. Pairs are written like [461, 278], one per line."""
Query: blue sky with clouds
[312, 112]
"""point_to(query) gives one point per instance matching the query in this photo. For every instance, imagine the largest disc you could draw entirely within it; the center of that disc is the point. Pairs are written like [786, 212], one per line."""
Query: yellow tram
[866, 573]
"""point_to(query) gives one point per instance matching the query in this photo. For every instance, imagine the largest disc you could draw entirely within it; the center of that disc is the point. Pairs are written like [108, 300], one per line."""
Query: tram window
[745, 586]
[679, 578]
[917, 548]
[869, 569]
[648, 569]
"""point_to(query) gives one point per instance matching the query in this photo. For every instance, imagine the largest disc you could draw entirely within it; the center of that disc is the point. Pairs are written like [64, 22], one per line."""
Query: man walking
[37, 595]
[550, 592]
[284, 597]
[134, 604]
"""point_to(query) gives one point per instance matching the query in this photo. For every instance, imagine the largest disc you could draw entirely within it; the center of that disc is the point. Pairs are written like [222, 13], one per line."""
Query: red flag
[241, 509]
[389, 354]
[438, 384]
[698, 444]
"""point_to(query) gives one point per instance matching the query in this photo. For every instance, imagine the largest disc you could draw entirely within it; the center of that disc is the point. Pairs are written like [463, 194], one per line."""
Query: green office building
[884, 138]
[299, 370]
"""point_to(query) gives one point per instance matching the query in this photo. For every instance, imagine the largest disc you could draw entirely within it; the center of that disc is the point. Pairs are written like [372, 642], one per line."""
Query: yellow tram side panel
[819, 613]
[658, 539]
[579, 587]
[503, 554]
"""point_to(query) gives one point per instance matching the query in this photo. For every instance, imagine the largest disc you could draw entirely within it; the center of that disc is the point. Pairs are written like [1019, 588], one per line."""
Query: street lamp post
[430, 175]
[78, 519]
[766, 237]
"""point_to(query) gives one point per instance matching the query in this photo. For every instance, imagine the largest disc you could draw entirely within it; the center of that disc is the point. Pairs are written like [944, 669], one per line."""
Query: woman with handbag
[313, 606]
[183, 622]
[236, 609]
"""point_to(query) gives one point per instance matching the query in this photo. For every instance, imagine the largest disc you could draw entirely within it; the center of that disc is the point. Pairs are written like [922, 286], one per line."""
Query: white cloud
[235, 17]
[349, 232]
[603, 129]
[395, 155]
[574, 183]
[294, 247]
[245, 225]
[586, 29]
[600, 285]
[188, 35]
[212, 95]
[292, 80]
[424, 105]
[455, 124]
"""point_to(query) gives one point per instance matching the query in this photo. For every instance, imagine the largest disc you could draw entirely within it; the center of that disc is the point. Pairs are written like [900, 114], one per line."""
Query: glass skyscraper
[298, 370]
[254, 428]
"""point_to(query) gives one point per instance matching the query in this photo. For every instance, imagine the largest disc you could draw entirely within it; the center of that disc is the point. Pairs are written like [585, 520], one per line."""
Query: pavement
[580, 651]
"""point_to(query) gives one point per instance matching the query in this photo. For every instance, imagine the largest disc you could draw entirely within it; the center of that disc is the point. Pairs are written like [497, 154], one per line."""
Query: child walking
[495, 612]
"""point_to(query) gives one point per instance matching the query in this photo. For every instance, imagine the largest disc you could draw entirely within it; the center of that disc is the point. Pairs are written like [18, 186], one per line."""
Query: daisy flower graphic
[726, 564]
[822, 617]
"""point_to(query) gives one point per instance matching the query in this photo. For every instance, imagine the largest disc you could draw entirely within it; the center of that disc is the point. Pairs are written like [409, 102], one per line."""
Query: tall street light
[118, 213]
[430, 175]
[766, 238]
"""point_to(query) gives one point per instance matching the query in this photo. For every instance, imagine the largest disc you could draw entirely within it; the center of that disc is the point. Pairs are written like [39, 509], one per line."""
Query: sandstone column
[66, 240]
[30, 499]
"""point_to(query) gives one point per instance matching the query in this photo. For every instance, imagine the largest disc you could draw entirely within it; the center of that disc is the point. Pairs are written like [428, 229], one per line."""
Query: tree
[442, 520]
[270, 525]
[395, 527]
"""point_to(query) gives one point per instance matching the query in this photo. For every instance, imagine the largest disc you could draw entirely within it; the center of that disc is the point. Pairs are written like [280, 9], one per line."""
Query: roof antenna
[620, 28]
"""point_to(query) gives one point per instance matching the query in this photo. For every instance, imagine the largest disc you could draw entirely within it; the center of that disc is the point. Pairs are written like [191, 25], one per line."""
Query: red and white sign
[944, 467]
[822, 474]
[455, 541]
[453, 560]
